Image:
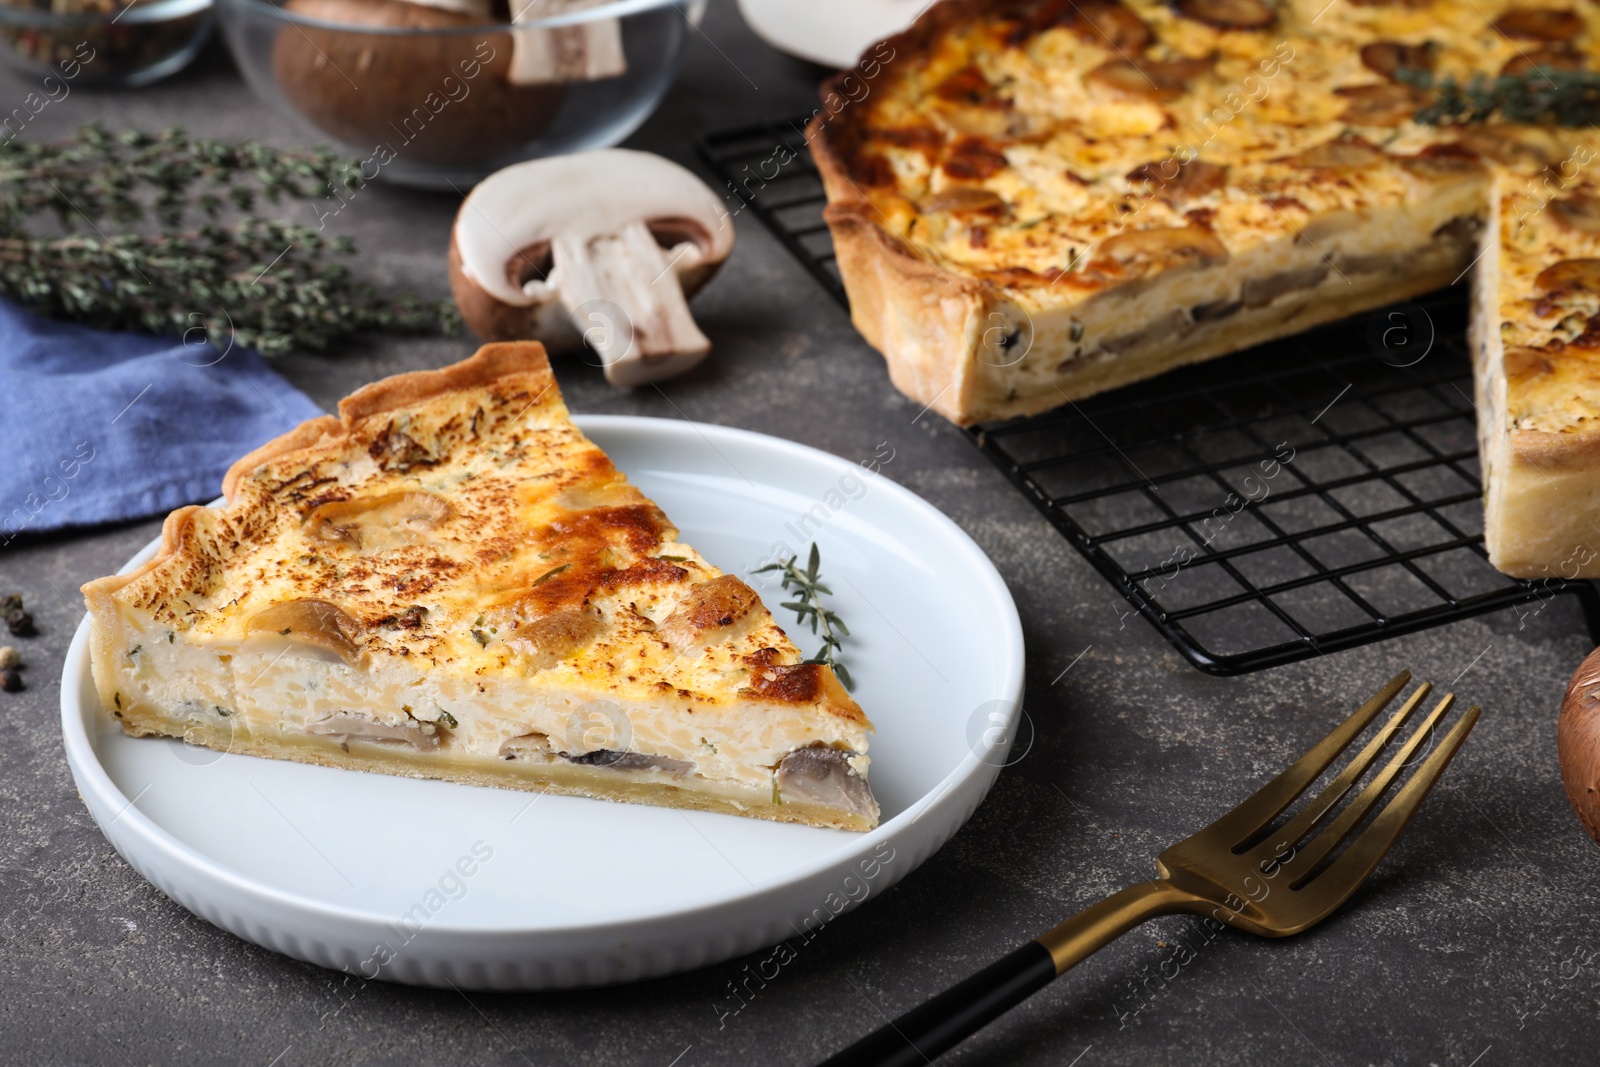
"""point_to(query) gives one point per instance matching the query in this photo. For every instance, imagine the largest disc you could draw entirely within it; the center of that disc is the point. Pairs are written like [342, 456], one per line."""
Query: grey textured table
[1475, 944]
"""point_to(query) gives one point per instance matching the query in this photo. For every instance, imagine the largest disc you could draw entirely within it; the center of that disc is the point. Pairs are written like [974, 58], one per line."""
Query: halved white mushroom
[579, 50]
[601, 248]
[574, 49]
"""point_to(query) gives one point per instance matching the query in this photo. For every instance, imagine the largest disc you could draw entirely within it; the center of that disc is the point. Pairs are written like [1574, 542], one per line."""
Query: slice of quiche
[1536, 346]
[449, 580]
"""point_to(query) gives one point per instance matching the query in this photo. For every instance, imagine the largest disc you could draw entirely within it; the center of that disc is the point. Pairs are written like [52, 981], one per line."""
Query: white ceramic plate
[834, 33]
[436, 883]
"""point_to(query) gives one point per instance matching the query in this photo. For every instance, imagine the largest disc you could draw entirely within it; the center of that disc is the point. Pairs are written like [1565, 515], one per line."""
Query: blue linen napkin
[103, 427]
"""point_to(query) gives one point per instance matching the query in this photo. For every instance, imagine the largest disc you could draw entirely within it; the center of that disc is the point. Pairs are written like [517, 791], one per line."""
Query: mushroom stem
[622, 291]
[582, 51]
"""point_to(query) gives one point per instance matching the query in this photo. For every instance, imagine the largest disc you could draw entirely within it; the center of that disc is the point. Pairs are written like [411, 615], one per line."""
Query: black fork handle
[945, 1021]
[935, 1027]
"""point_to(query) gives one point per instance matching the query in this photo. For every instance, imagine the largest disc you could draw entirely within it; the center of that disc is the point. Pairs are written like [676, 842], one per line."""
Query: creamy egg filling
[271, 693]
[1337, 265]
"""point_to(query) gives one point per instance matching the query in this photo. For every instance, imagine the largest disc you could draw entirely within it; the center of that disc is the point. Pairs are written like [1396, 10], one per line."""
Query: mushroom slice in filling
[526, 746]
[1105, 23]
[1579, 213]
[1149, 79]
[1216, 309]
[1384, 104]
[1560, 56]
[1513, 145]
[552, 639]
[1179, 184]
[373, 524]
[1569, 275]
[1259, 292]
[630, 761]
[1340, 154]
[964, 200]
[823, 775]
[1389, 57]
[1229, 14]
[1136, 253]
[1371, 264]
[537, 746]
[308, 624]
[708, 607]
[1176, 322]
[1540, 24]
[347, 726]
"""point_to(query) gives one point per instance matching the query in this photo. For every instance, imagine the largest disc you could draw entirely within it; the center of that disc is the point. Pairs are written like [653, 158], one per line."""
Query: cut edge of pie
[946, 337]
[959, 340]
[1539, 442]
[449, 580]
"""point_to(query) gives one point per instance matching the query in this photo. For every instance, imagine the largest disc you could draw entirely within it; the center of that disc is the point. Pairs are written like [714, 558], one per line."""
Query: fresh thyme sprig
[140, 244]
[808, 607]
[98, 176]
[1541, 95]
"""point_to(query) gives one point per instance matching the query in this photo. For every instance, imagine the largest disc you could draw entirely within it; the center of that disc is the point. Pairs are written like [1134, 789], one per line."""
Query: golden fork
[1244, 869]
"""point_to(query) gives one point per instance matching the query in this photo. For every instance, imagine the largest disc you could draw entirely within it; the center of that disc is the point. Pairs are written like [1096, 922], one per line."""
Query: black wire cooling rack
[1308, 495]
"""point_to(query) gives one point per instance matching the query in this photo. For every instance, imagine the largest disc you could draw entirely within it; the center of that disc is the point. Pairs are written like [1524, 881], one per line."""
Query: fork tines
[1249, 827]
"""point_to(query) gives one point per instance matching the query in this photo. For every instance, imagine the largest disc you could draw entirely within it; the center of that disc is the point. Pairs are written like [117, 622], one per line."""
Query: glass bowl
[436, 98]
[117, 45]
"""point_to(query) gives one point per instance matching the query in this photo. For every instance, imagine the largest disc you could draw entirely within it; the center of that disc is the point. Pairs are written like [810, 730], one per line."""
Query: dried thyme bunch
[808, 607]
[141, 245]
[1541, 95]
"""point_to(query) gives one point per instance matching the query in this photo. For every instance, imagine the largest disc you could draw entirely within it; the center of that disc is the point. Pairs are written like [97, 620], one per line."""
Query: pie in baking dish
[1037, 200]
[449, 580]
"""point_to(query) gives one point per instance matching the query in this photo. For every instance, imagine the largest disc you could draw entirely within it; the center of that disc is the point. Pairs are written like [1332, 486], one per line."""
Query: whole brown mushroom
[432, 98]
[1578, 743]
